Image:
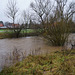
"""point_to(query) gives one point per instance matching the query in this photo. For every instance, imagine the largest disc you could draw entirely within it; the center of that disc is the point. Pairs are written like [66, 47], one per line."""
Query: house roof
[1, 25]
[15, 25]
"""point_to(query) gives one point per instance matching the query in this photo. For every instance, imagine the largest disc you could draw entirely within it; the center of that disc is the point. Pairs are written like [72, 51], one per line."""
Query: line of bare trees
[44, 10]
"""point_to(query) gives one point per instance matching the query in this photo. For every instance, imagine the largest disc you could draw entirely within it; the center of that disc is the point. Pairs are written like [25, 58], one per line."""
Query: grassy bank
[55, 63]
[23, 33]
[24, 30]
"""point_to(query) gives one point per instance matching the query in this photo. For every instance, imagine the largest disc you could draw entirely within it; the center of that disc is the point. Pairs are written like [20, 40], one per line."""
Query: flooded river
[26, 44]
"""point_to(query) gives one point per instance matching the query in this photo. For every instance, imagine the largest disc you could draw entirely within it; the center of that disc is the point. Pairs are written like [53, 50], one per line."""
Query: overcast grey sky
[22, 5]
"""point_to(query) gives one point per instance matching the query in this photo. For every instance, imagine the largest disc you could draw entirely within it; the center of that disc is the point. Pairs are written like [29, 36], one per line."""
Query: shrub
[57, 33]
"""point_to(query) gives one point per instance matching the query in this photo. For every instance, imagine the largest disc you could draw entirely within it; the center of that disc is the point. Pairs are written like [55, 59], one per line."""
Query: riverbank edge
[55, 63]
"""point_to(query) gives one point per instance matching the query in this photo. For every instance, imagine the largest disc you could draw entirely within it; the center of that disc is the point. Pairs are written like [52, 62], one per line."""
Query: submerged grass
[55, 63]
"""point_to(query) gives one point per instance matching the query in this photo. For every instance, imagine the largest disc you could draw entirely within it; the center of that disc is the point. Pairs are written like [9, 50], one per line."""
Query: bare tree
[42, 8]
[25, 22]
[12, 10]
[64, 12]
[70, 11]
[26, 17]
[59, 26]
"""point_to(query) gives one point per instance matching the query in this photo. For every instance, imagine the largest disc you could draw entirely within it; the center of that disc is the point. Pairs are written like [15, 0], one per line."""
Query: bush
[57, 33]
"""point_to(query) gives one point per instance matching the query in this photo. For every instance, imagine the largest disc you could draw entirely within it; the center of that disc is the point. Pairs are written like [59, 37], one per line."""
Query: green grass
[56, 63]
[2, 30]
[28, 31]
[25, 30]
[10, 34]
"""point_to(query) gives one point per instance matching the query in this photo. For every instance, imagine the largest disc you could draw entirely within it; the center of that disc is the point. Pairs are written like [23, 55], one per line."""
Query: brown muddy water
[27, 44]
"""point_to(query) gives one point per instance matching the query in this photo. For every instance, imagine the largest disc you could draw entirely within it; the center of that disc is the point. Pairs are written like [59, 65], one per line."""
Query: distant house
[11, 25]
[1, 24]
[15, 25]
